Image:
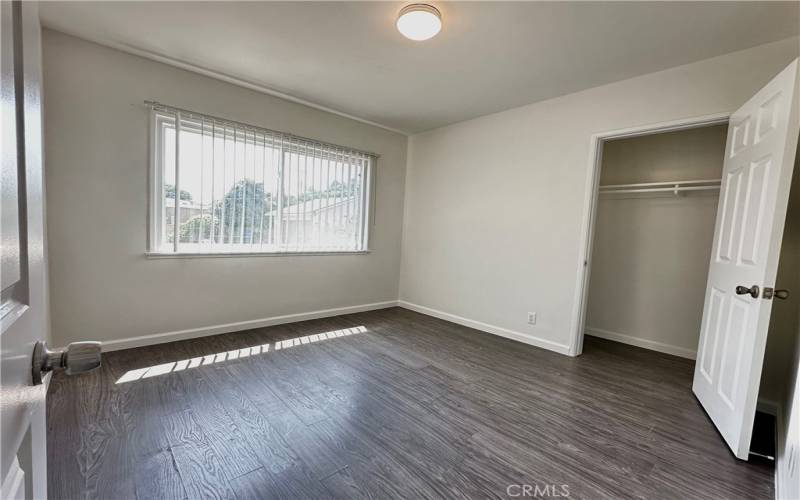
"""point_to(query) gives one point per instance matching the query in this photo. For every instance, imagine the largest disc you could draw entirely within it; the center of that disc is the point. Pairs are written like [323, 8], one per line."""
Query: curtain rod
[173, 109]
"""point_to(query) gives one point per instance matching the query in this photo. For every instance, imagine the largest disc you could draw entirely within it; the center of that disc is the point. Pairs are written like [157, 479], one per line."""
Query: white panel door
[23, 305]
[759, 159]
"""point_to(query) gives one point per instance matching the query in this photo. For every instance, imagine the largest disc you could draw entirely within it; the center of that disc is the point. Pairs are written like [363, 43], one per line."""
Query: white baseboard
[160, 338]
[191, 333]
[485, 327]
[638, 342]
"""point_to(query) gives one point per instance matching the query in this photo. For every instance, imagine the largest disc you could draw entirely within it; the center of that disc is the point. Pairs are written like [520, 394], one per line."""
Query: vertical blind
[227, 187]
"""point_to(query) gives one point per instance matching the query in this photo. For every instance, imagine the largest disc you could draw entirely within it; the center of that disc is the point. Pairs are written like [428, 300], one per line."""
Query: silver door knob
[77, 357]
[778, 294]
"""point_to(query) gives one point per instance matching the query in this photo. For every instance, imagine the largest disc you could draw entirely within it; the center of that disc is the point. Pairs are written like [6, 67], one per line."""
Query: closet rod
[656, 184]
[673, 189]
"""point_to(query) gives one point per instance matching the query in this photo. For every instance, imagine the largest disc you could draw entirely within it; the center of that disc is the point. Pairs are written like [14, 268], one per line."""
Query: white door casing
[756, 177]
[23, 312]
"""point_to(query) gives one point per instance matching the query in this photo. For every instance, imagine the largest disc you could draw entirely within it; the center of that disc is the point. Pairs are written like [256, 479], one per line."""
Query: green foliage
[336, 189]
[243, 212]
[197, 225]
[169, 192]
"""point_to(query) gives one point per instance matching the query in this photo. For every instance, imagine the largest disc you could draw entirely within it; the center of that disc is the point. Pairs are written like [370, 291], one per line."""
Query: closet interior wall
[651, 250]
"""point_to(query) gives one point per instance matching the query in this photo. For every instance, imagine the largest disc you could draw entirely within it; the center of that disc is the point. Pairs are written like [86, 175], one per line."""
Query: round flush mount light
[419, 21]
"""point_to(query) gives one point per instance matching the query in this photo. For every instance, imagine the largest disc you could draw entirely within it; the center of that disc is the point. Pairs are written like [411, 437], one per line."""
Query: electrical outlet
[531, 318]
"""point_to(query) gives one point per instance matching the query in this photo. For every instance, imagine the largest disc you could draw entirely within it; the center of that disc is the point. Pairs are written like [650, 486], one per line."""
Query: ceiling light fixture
[419, 21]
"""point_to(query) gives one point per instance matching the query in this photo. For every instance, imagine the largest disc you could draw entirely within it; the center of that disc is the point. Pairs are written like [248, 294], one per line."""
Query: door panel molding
[758, 169]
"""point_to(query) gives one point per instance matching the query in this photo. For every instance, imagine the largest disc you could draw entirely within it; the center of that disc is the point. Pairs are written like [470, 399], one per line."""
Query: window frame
[156, 246]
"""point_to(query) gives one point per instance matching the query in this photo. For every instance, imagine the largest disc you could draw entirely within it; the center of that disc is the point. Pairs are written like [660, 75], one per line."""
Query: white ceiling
[490, 56]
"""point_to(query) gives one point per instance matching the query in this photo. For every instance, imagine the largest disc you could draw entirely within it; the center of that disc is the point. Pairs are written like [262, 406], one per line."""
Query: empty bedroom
[262, 250]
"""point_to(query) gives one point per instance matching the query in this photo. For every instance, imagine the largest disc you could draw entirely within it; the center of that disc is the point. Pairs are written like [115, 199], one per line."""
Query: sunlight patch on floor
[209, 359]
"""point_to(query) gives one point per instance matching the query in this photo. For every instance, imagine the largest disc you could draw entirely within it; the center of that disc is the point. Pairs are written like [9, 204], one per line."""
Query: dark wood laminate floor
[386, 404]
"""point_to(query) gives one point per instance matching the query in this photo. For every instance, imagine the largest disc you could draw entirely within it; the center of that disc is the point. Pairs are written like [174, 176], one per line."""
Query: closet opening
[669, 169]
[653, 231]
[653, 198]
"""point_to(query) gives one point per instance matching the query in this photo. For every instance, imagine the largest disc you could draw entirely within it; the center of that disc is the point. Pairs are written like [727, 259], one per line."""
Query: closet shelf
[675, 187]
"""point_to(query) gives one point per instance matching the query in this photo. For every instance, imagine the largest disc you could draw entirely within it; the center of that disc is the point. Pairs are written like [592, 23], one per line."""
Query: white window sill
[195, 255]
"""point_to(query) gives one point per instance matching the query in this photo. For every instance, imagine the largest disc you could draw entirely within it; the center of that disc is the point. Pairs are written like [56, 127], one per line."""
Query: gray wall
[494, 205]
[96, 132]
[789, 446]
[651, 252]
[780, 379]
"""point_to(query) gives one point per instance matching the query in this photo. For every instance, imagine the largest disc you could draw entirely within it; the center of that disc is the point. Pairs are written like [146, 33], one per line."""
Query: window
[243, 189]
